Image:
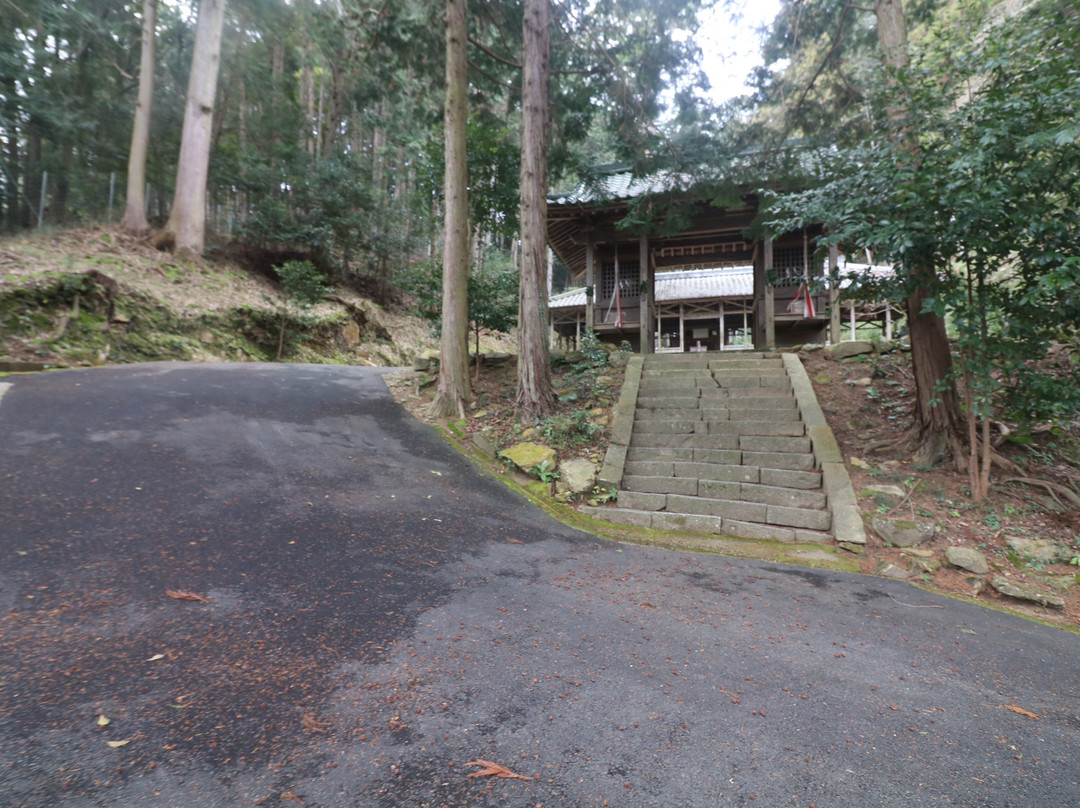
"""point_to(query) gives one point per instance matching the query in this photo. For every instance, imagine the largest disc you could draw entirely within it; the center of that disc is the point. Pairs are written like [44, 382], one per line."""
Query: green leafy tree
[989, 206]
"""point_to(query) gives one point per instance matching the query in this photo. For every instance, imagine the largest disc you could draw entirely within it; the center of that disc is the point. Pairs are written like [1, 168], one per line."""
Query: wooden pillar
[646, 283]
[769, 304]
[590, 282]
[723, 332]
[682, 329]
[552, 335]
[888, 321]
[834, 294]
[852, 320]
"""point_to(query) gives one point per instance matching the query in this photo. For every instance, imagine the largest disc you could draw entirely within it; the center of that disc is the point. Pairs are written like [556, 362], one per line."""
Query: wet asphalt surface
[379, 614]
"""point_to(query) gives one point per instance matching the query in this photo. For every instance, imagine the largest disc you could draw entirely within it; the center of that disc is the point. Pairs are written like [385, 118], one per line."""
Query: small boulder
[846, 350]
[421, 364]
[880, 489]
[967, 558]
[577, 476]
[886, 569]
[1020, 591]
[485, 445]
[858, 463]
[529, 456]
[902, 532]
[1040, 551]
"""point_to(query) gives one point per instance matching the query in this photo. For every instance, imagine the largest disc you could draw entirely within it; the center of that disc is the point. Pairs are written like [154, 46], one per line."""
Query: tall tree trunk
[12, 218]
[938, 429]
[535, 397]
[134, 220]
[32, 173]
[63, 184]
[453, 391]
[187, 221]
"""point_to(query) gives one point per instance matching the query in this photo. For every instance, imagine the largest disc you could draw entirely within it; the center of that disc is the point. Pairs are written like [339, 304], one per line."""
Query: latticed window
[629, 282]
[788, 263]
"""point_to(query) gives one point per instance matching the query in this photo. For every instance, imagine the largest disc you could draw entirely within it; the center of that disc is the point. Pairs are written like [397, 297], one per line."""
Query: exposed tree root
[1054, 489]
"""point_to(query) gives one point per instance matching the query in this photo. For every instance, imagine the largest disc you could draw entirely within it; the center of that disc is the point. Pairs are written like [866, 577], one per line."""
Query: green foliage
[492, 290]
[569, 430]
[980, 180]
[303, 287]
[546, 472]
[600, 495]
[583, 382]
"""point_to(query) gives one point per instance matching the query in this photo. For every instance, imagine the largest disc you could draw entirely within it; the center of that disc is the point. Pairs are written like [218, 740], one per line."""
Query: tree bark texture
[453, 390]
[535, 397]
[187, 221]
[135, 220]
[938, 429]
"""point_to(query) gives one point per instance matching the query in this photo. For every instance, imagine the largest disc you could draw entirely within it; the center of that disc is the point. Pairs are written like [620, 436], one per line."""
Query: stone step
[740, 510]
[657, 441]
[675, 387]
[792, 428]
[723, 490]
[751, 393]
[665, 520]
[724, 366]
[781, 477]
[670, 402]
[747, 403]
[676, 373]
[723, 371]
[735, 429]
[767, 443]
[791, 461]
[778, 382]
[669, 414]
[773, 414]
[718, 415]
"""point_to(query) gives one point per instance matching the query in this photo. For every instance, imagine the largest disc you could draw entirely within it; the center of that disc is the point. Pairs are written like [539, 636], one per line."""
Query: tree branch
[817, 73]
[490, 77]
[493, 55]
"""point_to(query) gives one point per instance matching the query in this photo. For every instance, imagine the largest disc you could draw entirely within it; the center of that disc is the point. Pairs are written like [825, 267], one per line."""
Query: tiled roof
[622, 185]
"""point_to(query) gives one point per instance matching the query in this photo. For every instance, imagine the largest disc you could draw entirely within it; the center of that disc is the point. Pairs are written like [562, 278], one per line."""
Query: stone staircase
[719, 445]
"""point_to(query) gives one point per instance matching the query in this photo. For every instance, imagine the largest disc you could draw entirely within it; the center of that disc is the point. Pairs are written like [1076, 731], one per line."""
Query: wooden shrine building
[706, 287]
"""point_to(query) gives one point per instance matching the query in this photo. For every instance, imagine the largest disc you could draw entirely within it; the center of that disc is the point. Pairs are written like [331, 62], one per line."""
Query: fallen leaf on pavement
[156, 657]
[102, 721]
[118, 744]
[1021, 710]
[288, 795]
[311, 724]
[180, 595]
[495, 770]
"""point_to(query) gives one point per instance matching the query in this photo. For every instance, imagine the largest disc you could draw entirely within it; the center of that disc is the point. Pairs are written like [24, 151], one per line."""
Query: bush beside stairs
[729, 444]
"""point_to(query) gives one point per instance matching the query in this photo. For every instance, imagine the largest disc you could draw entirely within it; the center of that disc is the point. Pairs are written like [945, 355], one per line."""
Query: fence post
[112, 191]
[41, 204]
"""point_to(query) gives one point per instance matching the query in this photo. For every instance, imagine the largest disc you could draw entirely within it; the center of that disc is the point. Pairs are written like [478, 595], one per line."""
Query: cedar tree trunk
[134, 220]
[453, 391]
[535, 398]
[187, 220]
[938, 429]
